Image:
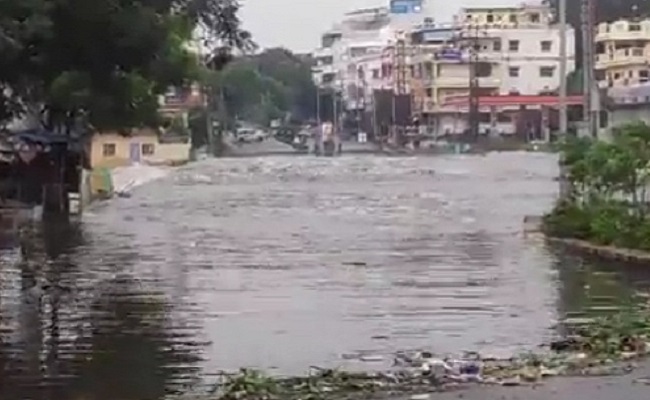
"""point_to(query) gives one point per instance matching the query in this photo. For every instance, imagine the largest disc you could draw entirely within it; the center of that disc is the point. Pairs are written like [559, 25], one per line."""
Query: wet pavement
[634, 386]
[285, 262]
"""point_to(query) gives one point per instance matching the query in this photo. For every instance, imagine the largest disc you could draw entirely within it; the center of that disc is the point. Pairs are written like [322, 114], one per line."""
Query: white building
[623, 53]
[354, 54]
[518, 49]
[523, 41]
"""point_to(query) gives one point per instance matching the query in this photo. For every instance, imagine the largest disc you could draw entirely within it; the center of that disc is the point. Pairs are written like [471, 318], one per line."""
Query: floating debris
[603, 347]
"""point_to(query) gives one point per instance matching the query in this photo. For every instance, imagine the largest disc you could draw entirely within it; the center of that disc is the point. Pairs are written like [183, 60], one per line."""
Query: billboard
[406, 6]
[388, 104]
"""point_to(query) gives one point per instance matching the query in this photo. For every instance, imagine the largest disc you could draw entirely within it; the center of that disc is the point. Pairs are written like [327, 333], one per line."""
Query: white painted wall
[529, 59]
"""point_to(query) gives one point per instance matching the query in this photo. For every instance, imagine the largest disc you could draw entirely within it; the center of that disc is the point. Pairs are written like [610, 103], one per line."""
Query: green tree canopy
[272, 84]
[105, 61]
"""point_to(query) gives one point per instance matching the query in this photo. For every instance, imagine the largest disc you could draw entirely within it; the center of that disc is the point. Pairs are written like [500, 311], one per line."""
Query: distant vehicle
[247, 135]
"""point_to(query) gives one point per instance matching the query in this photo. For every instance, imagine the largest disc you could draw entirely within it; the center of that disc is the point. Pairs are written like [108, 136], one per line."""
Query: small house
[142, 146]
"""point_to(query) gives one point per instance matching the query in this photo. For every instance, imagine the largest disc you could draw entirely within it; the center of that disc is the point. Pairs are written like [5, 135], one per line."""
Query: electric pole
[400, 86]
[565, 184]
[207, 92]
[474, 83]
[587, 18]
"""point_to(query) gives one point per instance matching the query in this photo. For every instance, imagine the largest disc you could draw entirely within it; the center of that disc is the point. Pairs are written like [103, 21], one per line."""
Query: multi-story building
[623, 71]
[525, 43]
[514, 50]
[623, 53]
[516, 53]
[361, 34]
[356, 55]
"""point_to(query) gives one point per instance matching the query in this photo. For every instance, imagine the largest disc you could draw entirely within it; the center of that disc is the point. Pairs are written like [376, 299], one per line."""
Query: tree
[104, 61]
[609, 180]
[270, 85]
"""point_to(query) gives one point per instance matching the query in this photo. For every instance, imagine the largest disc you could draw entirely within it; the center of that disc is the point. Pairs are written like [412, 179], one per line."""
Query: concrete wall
[169, 152]
[624, 116]
[530, 58]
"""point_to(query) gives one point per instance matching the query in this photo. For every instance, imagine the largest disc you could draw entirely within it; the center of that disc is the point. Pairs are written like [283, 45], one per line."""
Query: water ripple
[287, 262]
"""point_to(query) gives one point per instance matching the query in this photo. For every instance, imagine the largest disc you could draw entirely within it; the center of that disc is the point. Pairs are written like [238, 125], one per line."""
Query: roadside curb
[610, 253]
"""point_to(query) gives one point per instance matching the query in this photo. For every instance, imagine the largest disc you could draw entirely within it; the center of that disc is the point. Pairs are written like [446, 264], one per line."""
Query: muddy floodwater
[285, 262]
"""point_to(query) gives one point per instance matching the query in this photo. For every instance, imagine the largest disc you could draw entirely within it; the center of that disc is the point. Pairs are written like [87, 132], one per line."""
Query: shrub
[609, 180]
[568, 220]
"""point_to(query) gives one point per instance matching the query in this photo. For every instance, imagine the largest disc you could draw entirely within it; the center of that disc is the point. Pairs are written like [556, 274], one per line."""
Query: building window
[148, 149]
[546, 46]
[634, 28]
[534, 18]
[513, 18]
[513, 72]
[513, 45]
[497, 45]
[375, 73]
[546, 72]
[617, 76]
[490, 18]
[109, 149]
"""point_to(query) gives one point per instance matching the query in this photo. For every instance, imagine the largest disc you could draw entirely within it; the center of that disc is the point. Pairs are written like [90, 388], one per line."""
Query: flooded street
[286, 262]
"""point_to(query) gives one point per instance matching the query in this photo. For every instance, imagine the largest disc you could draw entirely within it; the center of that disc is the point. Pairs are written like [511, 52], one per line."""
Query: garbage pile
[603, 347]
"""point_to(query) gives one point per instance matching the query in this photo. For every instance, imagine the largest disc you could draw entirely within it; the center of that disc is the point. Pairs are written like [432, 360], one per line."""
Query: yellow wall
[163, 152]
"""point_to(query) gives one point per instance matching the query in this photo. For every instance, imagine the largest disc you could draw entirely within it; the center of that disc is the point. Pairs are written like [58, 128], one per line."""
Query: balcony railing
[633, 55]
[613, 34]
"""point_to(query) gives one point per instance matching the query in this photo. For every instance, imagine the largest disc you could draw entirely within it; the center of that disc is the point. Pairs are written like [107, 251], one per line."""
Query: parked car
[249, 135]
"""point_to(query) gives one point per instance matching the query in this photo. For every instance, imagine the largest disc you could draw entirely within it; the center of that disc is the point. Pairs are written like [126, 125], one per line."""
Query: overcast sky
[297, 24]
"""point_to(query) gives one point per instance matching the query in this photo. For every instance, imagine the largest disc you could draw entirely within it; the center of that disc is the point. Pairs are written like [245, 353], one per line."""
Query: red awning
[513, 100]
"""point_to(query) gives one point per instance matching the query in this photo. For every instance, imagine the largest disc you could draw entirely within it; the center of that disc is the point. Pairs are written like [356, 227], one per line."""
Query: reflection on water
[289, 262]
[67, 334]
[591, 288]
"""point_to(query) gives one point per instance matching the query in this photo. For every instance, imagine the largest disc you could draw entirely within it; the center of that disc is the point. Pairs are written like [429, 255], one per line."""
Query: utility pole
[400, 84]
[222, 122]
[318, 104]
[335, 111]
[474, 84]
[564, 119]
[565, 185]
[587, 18]
[207, 92]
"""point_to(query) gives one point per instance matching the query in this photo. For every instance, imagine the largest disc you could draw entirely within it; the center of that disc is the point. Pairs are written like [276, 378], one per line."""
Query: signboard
[450, 54]
[437, 35]
[405, 6]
